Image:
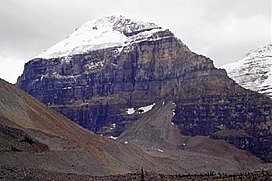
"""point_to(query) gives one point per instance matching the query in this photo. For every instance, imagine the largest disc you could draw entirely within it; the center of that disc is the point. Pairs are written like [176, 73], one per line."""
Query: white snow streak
[112, 137]
[160, 150]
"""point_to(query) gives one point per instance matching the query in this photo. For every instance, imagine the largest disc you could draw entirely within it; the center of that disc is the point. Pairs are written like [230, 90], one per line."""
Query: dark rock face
[243, 120]
[96, 88]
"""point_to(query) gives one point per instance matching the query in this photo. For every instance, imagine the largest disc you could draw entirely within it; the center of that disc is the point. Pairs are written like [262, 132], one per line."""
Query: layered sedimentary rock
[95, 84]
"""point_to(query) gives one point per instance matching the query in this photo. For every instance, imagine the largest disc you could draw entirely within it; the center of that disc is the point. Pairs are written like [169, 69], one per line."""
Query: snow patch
[146, 108]
[160, 150]
[113, 126]
[65, 88]
[140, 110]
[112, 137]
[174, 113]
[42, 77]
[126, 142]
[130, 111]
[163, 103]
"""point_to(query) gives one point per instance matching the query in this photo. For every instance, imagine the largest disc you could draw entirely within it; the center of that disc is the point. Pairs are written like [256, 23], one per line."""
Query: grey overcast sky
[224, 30]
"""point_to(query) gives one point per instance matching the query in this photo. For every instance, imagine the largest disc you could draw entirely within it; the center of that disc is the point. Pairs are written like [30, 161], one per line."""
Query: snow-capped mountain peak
[254, 71]
[105, 32]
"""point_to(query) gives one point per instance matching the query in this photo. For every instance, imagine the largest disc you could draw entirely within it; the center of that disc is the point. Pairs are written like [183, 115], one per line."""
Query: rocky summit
[112, 71]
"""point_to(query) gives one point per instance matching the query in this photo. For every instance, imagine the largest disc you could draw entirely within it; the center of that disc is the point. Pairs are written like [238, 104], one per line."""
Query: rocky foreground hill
[112, 71]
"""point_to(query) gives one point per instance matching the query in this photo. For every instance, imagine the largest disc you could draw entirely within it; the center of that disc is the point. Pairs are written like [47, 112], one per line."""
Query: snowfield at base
[254, 71]
[105, 32]
[140, 110]
[146, 108]
[130, 110]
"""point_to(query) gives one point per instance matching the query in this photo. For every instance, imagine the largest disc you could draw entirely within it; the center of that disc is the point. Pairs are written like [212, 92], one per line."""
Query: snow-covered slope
[254, 71]
[105, 32]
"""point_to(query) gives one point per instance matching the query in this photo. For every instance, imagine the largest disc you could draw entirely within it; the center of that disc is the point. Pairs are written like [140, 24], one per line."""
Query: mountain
[39, 142]
[101, 64]
[254, 72]
[113, 70]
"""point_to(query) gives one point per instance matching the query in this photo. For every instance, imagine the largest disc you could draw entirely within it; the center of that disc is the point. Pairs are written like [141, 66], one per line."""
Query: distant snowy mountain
[105, 32]
[254, 71]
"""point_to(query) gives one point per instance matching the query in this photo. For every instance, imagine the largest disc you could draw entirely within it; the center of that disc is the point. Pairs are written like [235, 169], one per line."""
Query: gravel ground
[16, 173]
